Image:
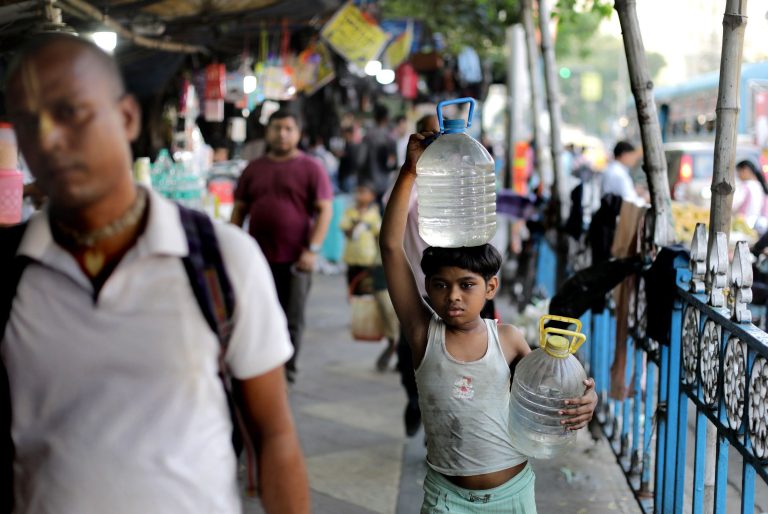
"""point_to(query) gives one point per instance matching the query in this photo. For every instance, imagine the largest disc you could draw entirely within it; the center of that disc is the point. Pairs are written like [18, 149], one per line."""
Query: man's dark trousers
[292, 291]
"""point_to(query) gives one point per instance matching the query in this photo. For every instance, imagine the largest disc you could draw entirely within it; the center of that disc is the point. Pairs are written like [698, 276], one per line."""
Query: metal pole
[509, 157]
[530, 45]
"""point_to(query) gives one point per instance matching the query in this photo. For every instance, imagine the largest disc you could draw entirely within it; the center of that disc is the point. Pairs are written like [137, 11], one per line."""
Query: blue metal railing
[715, 361]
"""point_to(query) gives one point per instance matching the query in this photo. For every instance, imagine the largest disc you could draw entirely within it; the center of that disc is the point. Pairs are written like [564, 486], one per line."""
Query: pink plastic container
[11, 196]
[8, 148]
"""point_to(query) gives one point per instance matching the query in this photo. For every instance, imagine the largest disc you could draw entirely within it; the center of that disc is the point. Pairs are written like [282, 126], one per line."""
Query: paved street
[360, 462]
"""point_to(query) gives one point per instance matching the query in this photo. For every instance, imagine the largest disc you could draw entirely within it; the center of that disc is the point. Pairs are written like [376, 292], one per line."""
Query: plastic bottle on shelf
[142, 171]
[162, 173]
[456, 184]
[543, 380]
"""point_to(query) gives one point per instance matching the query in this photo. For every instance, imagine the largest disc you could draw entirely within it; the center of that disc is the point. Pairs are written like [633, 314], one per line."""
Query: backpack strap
[207, 276]
[213, 290]
[12, 268]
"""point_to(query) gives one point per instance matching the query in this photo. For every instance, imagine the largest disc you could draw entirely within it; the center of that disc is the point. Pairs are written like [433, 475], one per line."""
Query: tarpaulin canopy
[155, 36]
[211, 25]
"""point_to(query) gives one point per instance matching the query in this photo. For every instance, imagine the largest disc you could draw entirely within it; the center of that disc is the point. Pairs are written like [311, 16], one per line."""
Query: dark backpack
[213, 291]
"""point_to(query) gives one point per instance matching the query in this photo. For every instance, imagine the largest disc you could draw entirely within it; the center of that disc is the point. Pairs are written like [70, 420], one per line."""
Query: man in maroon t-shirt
[287, 196]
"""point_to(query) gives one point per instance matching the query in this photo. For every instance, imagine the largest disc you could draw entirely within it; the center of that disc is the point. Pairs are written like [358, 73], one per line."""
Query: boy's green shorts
[513, 497]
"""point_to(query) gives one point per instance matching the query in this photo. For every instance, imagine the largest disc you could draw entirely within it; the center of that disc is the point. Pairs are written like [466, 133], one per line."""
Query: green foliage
[477, 23]
[481, 23]
[605, 57]
[578, 21]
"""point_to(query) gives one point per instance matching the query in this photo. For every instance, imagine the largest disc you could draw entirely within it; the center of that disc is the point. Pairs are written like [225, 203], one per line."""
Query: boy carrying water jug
[462, 365]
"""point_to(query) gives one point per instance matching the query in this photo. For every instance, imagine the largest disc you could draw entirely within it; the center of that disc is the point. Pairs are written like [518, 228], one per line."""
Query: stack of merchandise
[687, 215]
[178, 181]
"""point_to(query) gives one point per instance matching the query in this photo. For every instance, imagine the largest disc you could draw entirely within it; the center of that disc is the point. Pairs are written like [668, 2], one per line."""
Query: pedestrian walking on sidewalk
[462, 367]
[380, 152]
[414, 246]
[361, 224]
[115, 373]
[617, 179]
[287, 196]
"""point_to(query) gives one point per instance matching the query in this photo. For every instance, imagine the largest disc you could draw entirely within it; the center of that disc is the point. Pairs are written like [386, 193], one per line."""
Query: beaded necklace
[94, 259]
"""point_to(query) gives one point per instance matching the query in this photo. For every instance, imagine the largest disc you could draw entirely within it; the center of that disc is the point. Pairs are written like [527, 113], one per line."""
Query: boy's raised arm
[411, 310]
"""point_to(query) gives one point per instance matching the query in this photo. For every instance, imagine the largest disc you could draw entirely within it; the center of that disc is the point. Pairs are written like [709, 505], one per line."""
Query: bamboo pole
[559, 187]
[734, 24]
[530, 46]
[727, 111]
[654, 163]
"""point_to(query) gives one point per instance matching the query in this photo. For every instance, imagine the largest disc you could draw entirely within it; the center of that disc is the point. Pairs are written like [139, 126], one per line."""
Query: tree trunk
[654, 163]
[734, 23]
[530, 46]
[559, 187]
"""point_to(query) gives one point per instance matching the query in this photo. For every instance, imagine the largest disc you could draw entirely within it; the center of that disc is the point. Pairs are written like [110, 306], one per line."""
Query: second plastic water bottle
[456, 183]
[543, 380]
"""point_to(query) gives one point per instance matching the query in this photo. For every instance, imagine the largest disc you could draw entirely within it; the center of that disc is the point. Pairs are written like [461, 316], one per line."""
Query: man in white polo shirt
[113, 370]
[617, 179]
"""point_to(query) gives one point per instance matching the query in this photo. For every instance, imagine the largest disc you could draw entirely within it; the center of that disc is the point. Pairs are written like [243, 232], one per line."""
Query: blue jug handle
[441, 105]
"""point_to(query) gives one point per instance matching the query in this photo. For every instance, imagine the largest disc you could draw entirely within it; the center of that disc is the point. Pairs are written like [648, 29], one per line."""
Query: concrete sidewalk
[350, 423]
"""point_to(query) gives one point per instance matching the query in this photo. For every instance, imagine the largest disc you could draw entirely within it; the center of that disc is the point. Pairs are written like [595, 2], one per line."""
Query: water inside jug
[543, 380]
[456, 185]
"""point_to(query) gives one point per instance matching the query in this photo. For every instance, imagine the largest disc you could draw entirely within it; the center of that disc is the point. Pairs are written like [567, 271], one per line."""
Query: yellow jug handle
[577, 338]
[550, 317]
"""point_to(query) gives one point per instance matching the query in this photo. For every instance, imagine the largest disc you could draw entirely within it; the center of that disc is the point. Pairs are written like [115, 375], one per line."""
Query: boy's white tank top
[465, 407]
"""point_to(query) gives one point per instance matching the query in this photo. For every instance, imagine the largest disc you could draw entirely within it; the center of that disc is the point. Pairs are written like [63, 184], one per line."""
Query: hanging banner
[277, 83]
[408, 81]
[354, 36]
[215, 81]
[313, 68]
[325, 72]
[399, 49]
[215, 90]
[396, 27]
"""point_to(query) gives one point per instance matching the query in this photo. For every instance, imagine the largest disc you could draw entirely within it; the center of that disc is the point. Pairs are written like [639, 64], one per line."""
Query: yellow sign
[314, 68]
[591, 86]
[399, 50]
[354, 36]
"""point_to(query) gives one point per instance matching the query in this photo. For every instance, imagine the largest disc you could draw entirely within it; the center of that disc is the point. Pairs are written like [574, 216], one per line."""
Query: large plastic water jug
[543, 380]
[456, 185]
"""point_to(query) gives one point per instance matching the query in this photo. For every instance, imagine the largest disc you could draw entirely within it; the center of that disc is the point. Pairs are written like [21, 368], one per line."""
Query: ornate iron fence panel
[715, 361]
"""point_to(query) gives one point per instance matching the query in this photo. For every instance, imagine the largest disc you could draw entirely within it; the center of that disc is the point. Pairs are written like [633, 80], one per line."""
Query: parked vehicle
[690, 165]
